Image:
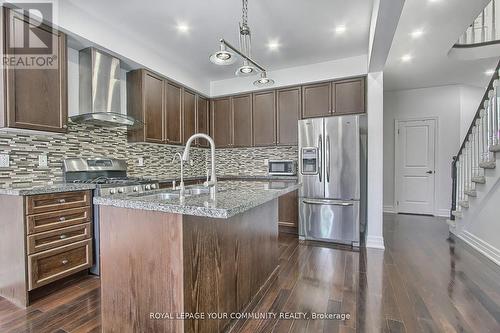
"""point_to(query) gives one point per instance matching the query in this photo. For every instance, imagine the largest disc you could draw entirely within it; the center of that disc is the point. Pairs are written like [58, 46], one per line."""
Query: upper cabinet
[35, 99]
[173, 113]
[288, 114]
[264, 118]
[222, 120]
[317, 100]
[189, 114]
[202, 119]
[348, 96]
[242, 120]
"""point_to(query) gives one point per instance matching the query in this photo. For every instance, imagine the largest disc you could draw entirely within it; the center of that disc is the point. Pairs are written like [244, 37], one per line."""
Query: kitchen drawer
[51, 265]
[59, 237]
[60, 219]
[56, 201]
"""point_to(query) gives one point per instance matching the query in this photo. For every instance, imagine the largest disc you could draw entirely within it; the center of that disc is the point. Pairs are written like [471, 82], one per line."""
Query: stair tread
[479, 180]
[487, 165]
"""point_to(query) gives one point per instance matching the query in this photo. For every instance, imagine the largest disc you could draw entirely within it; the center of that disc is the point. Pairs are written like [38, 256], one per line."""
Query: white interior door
[415, 166]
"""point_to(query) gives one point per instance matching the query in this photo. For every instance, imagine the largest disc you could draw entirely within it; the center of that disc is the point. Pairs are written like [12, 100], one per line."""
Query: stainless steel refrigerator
[332, 170]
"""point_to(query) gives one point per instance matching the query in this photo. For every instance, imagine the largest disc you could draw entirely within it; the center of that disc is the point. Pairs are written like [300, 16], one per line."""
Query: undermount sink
[174, 194]
[160, 196]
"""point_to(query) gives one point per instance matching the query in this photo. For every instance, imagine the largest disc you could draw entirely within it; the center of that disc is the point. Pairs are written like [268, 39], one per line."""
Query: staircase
[485, 29]
[475, 212]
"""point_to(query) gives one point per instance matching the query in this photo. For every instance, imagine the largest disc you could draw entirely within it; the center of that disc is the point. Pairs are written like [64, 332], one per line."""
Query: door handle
[328, 203]
[327, 152]
[320, 158]
[430, 172]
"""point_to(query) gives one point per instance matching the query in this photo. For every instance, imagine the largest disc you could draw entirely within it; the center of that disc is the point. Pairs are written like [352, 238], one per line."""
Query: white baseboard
[375, 242]
[442, 212]
[389, 209]
[481, 246]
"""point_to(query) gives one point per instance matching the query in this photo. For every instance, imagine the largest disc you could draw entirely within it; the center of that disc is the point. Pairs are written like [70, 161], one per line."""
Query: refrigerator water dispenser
[309, 161]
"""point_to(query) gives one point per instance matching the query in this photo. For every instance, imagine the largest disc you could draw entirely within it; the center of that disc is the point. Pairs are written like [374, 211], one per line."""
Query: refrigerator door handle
[327, 202]
[320, 158]
[327, 152]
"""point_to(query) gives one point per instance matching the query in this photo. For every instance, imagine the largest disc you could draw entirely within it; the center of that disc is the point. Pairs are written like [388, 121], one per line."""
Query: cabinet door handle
[64, 262]
[62, 219]
[63, 237]
[62, 200]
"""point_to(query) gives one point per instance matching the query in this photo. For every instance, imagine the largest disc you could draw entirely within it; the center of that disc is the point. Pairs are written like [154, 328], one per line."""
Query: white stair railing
[477, 152]
[485, 28]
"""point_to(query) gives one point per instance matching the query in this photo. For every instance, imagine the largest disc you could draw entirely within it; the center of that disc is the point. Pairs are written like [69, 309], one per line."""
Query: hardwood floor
[423, 282]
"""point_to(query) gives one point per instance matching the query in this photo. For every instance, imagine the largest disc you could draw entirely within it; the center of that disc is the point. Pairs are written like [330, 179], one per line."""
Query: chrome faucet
[181, 185]
[212, 183]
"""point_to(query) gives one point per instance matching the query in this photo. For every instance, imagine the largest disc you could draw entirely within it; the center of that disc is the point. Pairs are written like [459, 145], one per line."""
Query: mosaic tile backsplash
[90, 141]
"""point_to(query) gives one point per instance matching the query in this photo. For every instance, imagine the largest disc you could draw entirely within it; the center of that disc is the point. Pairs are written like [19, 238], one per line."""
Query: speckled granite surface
[44, 189]
[233, 197]
[226, 177]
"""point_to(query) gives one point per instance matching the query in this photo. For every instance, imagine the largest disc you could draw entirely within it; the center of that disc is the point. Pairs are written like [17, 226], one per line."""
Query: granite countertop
[45, 189]
[233, 197]
[226, 177]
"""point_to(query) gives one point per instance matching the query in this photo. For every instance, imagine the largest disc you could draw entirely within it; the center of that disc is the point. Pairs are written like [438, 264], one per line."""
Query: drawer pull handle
[62, 200]
[62, 219]
[64, 262]
[63, 236]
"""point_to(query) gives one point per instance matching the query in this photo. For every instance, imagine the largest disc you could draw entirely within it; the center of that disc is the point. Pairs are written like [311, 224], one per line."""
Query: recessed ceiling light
[182, 27]
[489, 72]
[417, 33]
[340, 29]
[406, 58]
[273, 45]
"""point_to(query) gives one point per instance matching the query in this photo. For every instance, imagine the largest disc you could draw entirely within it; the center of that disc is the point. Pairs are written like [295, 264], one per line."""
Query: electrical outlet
[266, 161]
[4, 161]
[42, 161]
[140, 161]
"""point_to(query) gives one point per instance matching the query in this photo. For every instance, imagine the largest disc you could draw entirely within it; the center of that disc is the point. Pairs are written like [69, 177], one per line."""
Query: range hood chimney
[100, 90]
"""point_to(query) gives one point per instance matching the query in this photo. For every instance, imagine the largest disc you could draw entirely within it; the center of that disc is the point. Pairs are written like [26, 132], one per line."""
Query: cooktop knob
[112, 191]
[120, 190]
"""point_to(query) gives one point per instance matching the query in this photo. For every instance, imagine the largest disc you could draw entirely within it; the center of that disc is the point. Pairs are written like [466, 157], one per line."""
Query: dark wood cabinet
[288, 114]
[221, 119]
[146, 102]
[242, 120]
[348, 96]
[202, 116]
[189, 114]
[35, 98]
[317, 100]
[173, 113]
[264, 118]
[288, 211]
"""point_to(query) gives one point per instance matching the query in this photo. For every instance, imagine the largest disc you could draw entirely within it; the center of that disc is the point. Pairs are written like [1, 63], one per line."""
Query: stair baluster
[484, 137]
[496, 108]
[475, 156]
[459, 184]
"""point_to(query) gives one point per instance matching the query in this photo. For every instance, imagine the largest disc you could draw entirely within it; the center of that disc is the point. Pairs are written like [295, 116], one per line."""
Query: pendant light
[264, 81]
[249, 66]
[223, 57]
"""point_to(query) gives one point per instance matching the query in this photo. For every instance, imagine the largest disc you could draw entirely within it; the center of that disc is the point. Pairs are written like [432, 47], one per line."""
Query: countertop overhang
[233, 197]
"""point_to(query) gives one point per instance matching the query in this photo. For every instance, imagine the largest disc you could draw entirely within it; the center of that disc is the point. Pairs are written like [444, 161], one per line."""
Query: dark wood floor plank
[424, 281]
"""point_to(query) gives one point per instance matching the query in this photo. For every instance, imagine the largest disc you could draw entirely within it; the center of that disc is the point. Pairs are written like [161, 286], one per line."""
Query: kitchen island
[168, 266]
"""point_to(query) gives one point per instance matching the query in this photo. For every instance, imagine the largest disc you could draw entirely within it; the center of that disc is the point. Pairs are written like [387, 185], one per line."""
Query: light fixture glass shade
[246, 69]
[223, 57]
[264, 81]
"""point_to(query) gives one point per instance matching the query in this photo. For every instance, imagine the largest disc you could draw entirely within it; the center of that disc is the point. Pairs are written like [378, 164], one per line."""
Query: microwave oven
[282, 168]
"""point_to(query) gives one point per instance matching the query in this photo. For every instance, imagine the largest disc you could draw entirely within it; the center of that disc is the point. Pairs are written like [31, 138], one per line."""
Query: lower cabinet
[288, 212]
[57, 231]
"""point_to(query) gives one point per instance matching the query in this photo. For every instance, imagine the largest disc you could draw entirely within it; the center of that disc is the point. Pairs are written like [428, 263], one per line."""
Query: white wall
[454, 107]
[354, 66]
[469, 102]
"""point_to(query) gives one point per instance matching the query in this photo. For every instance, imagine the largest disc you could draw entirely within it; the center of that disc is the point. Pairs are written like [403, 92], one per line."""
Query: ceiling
[306, 33]
[442, 22]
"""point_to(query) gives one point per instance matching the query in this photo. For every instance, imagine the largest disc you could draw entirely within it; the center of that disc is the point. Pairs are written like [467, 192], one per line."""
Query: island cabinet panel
[317, 100]
[202, 119]
[35, 99]
[349, 96]
[221, 117]
[189, 114]
[264, 118]
[173, 113]
[242, 120]
[288, 114]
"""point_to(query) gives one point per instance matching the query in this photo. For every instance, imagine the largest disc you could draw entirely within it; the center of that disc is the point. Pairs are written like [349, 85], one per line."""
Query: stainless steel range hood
[100, 90]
